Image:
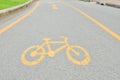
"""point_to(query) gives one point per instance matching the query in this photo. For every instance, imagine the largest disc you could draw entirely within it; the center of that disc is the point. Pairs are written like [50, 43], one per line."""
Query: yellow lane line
[19, 19]
[54, 7]
[93, 20]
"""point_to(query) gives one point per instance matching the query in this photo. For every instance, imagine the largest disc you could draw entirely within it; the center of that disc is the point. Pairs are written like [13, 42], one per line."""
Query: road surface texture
[94, 27]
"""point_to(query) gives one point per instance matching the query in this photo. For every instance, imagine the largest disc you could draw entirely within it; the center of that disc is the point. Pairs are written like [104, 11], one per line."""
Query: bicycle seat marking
[40, 52]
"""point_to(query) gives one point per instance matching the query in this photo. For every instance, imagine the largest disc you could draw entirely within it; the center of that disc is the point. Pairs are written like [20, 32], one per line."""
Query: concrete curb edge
[113, 5]
[8, 11]
[109, 4]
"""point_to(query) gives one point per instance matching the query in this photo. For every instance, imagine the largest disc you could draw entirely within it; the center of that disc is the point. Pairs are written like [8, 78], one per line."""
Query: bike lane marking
[54, 6]
[115, 35]
[39, 50]
[20, 19]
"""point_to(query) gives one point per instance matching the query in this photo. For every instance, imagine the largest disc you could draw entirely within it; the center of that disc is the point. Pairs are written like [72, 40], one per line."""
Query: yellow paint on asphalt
[54, 7]
[20, 19]
[115, 35]
[39, 50]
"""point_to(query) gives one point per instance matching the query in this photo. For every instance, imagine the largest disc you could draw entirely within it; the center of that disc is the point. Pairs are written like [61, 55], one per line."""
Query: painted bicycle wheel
[76, 52]
[36, 52]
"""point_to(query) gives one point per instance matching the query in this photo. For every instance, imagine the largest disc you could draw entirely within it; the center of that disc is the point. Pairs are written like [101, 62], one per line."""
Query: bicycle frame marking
[48, 44]
[51, 53]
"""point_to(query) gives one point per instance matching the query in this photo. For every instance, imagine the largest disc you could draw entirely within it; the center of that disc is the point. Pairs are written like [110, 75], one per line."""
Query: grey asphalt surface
[45, 22]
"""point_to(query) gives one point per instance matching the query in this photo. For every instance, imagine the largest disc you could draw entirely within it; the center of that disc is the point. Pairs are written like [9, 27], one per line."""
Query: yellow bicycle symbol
[39, 50]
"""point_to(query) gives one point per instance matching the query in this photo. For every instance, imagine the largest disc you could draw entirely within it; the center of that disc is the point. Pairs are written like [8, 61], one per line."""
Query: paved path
[96, 28]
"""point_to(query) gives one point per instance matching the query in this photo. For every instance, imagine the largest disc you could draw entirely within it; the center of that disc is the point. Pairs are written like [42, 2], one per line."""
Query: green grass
[10, 3]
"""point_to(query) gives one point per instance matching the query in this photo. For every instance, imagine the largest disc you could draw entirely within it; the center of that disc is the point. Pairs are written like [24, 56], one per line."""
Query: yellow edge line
[94, 21]
[19, 19]
[54, 7]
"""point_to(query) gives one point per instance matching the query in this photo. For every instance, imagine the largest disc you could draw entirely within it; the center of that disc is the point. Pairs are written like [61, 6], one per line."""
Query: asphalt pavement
[93, 27]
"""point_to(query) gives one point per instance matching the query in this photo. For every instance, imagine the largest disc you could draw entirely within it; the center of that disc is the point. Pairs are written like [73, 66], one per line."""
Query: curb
[113, 5]
[101, 3]
[108, 4]
[9, 11]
